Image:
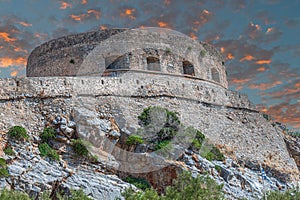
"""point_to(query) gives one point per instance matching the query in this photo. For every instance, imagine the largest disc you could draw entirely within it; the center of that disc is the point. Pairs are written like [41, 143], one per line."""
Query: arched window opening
[215, 75]
[153, 64]
[117, 62]
[188, 68]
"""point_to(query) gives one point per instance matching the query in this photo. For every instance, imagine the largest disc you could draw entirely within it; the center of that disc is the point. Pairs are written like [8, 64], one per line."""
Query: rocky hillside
[103, 171]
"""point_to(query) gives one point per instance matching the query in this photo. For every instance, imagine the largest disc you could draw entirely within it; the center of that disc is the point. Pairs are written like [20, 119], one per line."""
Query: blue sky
[259, 39]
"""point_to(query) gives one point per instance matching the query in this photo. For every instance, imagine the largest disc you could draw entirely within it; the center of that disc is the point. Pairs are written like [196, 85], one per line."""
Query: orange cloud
[77, 17]
[261, 69]
[65, 5]
[24, 24]
[206, 12]
[6, 38]
[84, 1]
[239, 82]
[247, 57]
[286, 113]
[7, 62]
[256, 26]
[193, 36]
[18, 49]
[265, 86]
[163, 24]
[95, 12]
[269, 30]
[128, 13]
[261, 62]
[80, 17]
[230, 56]
[14, 73]
[102, 27]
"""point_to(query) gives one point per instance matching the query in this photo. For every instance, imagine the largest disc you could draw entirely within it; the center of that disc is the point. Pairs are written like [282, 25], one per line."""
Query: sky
[260, 39]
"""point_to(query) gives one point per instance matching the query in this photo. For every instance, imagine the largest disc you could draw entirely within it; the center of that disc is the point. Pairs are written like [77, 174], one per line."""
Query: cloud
[129, 12]
[65, 5]
[6, 37]
[90, 14]
[288, 113]
[265, 86]
[84, 1]
[25, 24]
[8, 62]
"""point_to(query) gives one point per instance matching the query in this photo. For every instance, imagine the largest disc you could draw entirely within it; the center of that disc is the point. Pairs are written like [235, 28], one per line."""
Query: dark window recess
[117, 62]
[188, 68]
[153, 64]
[215, 75]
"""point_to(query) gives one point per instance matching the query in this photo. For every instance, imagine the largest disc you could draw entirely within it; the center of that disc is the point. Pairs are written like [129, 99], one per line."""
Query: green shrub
[162, 144]
[17, 133]
[9, 151]
[3, 168]
[198, 137]
[47, 134]
[146, 117]
[287, 195]
[210, 152]
[266, 116]
[218, 168]
[47, 151]
[184, 187]
[134, 139]
[138, 182]
[168, 50]
[165, 123]
[202, 53]
[80, 148]
[78, 195]
[13, 195]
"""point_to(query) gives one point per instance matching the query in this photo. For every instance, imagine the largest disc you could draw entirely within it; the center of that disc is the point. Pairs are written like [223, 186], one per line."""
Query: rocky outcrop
[31, 173]
[293, 146]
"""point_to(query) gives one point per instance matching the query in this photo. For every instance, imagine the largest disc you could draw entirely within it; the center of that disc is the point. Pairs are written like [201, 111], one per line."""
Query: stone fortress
[127, 70]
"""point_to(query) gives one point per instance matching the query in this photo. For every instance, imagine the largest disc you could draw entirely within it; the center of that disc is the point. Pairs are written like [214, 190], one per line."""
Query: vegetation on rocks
[17, 133]
[47, 134]
[287, 195]
[138, 182]
[13, 195]
[161, 123]
[80, 148]
[184, 187]
[9, 151]
[134, 140]
[47, 151]
[3, 168]
[16, 195]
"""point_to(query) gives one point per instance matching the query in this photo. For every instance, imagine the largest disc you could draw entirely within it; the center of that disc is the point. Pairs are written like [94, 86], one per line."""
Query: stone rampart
[88, 53]
[225, 117]
[127, 85]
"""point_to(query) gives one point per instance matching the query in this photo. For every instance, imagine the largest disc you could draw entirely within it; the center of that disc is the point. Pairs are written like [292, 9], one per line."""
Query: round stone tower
[112, 52]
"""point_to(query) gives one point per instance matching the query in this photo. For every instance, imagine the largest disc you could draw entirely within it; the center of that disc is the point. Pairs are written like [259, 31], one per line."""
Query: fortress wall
[49, 58]
[129, 84]
[85, 53]
[242, 133]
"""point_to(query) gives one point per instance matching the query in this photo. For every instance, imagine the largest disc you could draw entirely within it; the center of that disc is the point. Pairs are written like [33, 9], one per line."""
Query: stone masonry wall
[226, 118]
[83, 54]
